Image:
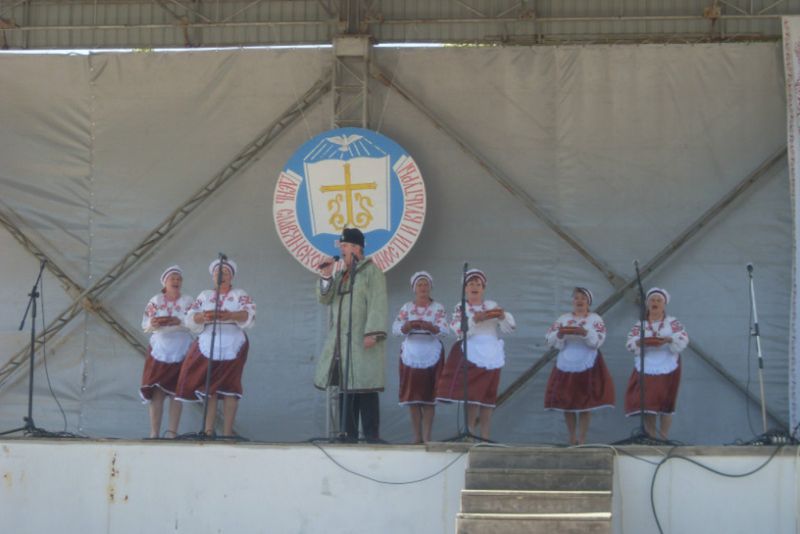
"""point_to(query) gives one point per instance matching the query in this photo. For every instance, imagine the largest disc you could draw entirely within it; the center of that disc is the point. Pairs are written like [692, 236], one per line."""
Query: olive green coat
[370, 310]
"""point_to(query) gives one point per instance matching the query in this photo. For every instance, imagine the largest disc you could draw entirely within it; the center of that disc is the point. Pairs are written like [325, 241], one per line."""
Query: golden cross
[348, 189]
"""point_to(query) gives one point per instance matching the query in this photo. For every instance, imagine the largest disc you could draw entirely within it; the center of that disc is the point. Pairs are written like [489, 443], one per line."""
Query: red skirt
[157, 374]
[481, 383]
[226, 375]
[418, 386]
[660, 393]
[583, 391]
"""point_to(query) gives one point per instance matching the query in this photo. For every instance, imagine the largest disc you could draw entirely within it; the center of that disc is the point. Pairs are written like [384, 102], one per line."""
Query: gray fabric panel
[624, 146]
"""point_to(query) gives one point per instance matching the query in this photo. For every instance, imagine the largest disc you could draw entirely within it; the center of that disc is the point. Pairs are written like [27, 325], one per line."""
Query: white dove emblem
[344, 141]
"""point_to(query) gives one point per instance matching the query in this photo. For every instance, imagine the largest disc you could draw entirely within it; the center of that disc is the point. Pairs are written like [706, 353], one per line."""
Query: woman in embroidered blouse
[664, 339]
[237, 311]
[163, 318]
[485, 355]
[579, 382]
[422, 321]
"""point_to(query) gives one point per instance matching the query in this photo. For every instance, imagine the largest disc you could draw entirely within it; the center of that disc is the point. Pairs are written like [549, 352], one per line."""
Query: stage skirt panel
[482, 383]
[660, 393]
[418, 385]
[582, 391]
[158, 374]
[226, 375]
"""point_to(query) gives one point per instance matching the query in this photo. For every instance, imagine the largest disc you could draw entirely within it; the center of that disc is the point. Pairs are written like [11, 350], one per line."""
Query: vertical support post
[350, 81]
[349, 85]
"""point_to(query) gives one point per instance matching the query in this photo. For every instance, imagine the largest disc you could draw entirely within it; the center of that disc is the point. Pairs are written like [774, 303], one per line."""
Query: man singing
[361, 375]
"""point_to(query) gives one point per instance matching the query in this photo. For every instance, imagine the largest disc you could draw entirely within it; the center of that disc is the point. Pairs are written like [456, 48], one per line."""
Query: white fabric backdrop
[623, 145]
[791, 49]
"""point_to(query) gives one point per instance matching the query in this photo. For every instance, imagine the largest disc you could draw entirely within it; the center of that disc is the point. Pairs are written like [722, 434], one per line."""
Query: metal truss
[349, 108]
[89, 297]
[661, 257]
[9, 222]
[495, 173]
[107, 23]
[350, 81]
[621, 285]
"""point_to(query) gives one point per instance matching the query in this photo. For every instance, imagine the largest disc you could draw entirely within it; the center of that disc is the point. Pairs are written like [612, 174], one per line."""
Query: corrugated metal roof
[168, 23]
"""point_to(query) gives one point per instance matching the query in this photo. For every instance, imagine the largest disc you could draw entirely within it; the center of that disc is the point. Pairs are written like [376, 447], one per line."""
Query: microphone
[328, 263]
[749, 268]
[223, 257]
[636, 263]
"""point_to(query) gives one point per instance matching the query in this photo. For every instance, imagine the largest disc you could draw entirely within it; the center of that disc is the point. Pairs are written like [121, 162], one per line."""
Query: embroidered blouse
[230, 335]
[577, 353]
[421, 349]
[168, 344]
[484, 347]
[663, 359]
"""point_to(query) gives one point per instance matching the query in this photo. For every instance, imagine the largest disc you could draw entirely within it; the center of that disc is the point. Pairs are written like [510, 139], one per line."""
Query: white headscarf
[475, 273]
[228, 263]
[168, 271]
[585, 291]
[420, 275]
[653, 290]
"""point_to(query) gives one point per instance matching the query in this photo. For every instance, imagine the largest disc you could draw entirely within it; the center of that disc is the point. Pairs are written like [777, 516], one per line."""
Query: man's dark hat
[352, 235]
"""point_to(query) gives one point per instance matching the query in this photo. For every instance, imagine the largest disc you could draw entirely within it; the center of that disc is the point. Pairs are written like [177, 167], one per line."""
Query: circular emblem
[349, 178]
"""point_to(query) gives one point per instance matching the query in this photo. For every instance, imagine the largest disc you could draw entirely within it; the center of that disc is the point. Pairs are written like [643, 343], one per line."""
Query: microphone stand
[30, 428]
[203, 435]
[755, 333]
[774, 436]
[465, 434]
[345, 382]
[641, 437]
[642, 348]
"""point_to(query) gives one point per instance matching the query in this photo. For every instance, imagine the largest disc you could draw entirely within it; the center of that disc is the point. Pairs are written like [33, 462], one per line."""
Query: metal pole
[755, 333]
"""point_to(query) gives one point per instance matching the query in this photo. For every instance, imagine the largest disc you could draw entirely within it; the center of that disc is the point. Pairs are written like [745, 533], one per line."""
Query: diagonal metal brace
[243, 160]
[661, 257]
[509, 185]
[621, 285]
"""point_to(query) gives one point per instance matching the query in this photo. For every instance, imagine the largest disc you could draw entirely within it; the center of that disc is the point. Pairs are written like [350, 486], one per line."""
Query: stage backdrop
[624, 146]
[791, 57]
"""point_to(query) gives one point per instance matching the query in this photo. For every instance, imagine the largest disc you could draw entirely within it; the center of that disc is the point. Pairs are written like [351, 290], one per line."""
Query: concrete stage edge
[96, 486]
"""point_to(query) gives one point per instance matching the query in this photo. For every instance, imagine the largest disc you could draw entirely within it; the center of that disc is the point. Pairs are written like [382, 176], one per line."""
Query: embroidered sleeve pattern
[149, 312]
[440, 320]
[595, 333]
[197, 307]
[245, 303]
[551, 337]
[633, 337]
[455, 321]
[400, 320]
[680, 339]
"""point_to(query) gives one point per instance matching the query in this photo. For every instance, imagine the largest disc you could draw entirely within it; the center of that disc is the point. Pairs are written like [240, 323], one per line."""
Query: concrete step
[539, 479]
[534, 502]
[541, 458]
[598, 523]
